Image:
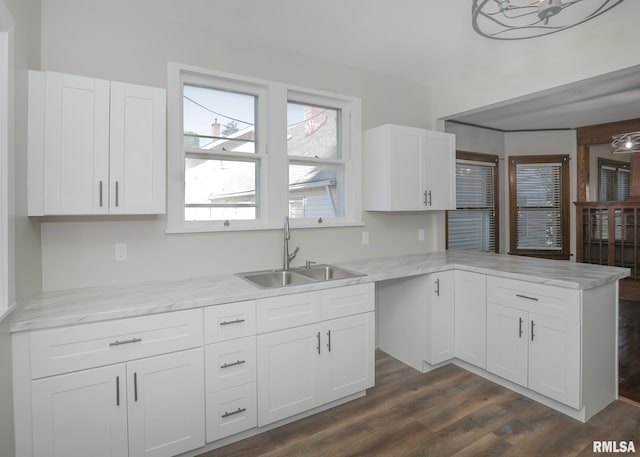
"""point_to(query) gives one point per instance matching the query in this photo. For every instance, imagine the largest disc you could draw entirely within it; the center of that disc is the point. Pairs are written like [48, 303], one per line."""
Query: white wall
[125, 41]
[540, 143]
[499, 71]
[25, 272]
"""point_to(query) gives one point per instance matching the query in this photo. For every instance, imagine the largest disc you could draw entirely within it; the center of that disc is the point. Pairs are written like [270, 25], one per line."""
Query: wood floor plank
[446, 412]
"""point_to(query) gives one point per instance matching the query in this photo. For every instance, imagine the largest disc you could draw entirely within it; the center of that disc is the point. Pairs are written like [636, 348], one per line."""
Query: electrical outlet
[365, 238]
[121, 251]
[420, 234]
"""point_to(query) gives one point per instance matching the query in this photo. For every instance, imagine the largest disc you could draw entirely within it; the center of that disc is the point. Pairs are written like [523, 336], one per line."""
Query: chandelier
[625, 143]
[521, 19]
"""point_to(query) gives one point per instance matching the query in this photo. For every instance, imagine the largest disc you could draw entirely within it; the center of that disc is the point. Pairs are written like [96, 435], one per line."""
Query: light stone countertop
[95, 304]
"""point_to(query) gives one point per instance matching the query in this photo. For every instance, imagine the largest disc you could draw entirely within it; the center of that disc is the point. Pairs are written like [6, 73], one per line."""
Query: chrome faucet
[287, 236]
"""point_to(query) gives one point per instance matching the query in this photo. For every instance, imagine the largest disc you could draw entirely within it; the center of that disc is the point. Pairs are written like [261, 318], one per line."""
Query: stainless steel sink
[328, 272]
[275, 278]
[268, 279]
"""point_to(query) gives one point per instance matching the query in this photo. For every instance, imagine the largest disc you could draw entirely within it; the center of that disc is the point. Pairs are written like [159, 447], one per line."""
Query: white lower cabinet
[81, 414]
[304, 367]
[148, 407]
[471, 317]
[536, 351]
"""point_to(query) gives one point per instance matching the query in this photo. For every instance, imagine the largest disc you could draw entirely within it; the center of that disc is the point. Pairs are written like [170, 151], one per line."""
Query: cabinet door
[554, 359]
[137, 152]
[507, 343]
[76, 159]
[289, 363]
[407, 169]
[348, 355]
[470, 317]
[81, 414]
[166, 404]
[441, 317]
[440, 170]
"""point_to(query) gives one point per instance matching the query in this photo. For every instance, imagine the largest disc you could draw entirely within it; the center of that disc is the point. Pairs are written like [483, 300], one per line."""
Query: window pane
[472, 225]
[316, 191]
[313, 131]
[218, 120]
[219, 189]
[539, 215]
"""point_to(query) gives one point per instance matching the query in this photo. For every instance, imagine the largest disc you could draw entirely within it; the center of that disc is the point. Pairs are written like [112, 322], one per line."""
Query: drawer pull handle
[232, 413]
[329, 340]
[520, 329]
[117, 390]
[232, 364]
[237, 321]
[526, 297]
[318, 346]
[132, 340]
[437, 287]
[135, 386]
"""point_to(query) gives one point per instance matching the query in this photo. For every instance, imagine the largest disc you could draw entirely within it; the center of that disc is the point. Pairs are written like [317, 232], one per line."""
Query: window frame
[7, 299]
[614, 164]
[482, 158]
[564, 252]
[271, 119]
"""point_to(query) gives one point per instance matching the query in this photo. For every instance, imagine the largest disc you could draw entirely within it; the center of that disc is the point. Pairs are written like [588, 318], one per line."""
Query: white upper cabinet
[95, 146]
[409, 169]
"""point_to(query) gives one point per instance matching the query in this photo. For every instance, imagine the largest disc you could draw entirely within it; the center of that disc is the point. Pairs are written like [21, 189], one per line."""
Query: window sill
[245, 228]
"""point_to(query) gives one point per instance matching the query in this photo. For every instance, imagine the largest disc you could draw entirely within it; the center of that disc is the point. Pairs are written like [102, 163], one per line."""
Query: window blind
[614, 183]
[472, 225]
[539, 206]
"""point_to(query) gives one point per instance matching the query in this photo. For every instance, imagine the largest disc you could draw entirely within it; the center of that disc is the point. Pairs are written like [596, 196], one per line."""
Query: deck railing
[608, 234]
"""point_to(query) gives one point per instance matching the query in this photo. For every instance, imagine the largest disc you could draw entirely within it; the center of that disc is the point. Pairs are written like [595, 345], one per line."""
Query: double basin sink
[267, 279]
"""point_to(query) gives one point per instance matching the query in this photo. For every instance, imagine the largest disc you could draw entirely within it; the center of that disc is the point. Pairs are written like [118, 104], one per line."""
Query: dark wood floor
[629, 349]
[447, 412]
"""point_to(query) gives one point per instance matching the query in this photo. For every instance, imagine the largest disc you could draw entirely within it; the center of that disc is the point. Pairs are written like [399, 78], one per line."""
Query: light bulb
[628, 144]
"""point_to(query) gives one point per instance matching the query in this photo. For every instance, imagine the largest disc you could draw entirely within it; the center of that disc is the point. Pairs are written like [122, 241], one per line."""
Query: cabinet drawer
[231, 411]
[285, 311]
[539, 298]
[345, 301]
[230, 363]
[68, 349]
[226, 322]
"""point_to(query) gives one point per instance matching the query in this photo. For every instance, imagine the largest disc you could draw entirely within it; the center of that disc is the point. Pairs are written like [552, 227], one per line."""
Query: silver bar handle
[318, 347]
[429, 198]
[532, 334]
[329, 340]
[117, 390]
[237, 321]
[526, 297]
[135, 386]
[232, 413]
[117, 193]
[437, 287]
[425, 198]
[132, 340]
[520, 328]
[100, 193]
[232, 364]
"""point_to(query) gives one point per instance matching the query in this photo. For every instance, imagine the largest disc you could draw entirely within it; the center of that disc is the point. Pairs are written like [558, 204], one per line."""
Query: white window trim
[7, 300]
[273, 180]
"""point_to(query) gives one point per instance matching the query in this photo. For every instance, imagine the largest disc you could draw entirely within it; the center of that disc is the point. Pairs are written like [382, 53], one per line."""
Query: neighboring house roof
[303, 140]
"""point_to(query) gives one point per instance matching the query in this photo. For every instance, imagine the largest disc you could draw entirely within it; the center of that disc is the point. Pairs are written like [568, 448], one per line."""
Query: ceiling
[417, 40]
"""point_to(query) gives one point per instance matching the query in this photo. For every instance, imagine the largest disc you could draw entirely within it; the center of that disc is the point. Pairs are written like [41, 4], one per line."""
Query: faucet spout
[287, 258]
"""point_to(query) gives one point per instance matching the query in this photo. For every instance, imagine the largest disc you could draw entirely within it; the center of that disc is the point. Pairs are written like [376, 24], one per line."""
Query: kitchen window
[539, 205]
[245, 153]
[473, 225]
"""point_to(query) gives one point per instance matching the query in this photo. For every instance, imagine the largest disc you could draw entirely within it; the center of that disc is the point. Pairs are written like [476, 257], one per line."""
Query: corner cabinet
[409, 169]
[95, 146]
